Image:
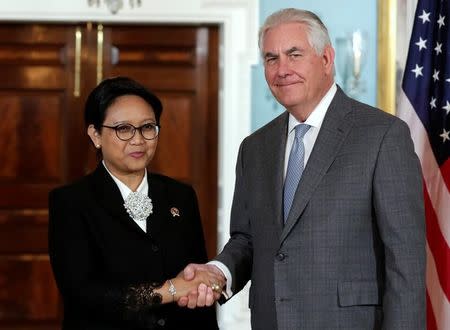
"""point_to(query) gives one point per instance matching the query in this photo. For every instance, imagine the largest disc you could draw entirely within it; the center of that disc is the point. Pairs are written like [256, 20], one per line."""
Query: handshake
[198, 285]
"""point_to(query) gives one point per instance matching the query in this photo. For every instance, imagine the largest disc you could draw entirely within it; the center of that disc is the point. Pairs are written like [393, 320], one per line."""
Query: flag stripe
[438, 246]
[445, 170]
[431, 321]
[439, 303]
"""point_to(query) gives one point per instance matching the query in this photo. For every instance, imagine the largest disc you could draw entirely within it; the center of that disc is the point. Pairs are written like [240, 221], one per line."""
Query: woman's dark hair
[107, 91]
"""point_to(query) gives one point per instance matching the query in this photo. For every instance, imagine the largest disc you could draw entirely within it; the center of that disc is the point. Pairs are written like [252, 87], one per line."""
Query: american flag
[424, 103]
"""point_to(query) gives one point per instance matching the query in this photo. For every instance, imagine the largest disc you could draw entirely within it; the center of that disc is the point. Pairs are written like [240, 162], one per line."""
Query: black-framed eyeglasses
[126, 132]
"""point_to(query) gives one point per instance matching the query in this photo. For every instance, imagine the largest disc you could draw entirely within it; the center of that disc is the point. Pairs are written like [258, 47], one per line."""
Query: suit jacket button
[281, 256]
[155, 248]
[161, 322]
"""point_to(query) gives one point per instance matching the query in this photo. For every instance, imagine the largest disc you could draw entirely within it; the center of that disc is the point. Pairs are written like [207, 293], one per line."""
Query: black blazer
[98, 252]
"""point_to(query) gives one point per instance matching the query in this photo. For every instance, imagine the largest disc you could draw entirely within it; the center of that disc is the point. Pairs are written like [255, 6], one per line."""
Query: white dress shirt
[314, 120]
[125, 191]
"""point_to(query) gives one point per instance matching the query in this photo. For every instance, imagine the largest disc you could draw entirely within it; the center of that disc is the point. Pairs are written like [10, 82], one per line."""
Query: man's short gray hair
[317, 32]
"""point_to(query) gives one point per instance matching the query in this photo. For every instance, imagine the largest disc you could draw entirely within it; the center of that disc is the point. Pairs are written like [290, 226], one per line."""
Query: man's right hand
[204, 295]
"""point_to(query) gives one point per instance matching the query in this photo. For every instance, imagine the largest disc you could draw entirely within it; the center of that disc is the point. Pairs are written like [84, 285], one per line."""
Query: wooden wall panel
[33, 130]
[32, 77]
[30, 137]
[33, 34]
[167, 36]
[175, 141]
[22, 231]
[149, 55]
[160, 78]
[24, 195]
[17, 54]
[27, 289]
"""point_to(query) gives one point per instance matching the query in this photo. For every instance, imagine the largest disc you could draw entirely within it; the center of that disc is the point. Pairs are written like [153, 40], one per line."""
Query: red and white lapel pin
[175, 212]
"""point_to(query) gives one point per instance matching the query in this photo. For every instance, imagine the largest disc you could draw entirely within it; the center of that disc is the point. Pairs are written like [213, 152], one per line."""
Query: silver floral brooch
[138, 206]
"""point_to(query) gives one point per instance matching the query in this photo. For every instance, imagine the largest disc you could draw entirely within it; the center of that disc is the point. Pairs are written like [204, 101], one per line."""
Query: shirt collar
[316, 117]
[124, 190]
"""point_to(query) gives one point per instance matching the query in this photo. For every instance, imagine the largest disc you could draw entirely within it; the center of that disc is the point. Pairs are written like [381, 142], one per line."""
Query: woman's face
[126, 157]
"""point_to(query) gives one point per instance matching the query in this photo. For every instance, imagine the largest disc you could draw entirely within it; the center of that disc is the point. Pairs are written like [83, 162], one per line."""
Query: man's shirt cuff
[226, 272]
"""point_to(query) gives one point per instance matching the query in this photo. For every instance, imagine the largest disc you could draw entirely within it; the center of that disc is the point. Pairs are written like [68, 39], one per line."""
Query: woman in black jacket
[119, 237]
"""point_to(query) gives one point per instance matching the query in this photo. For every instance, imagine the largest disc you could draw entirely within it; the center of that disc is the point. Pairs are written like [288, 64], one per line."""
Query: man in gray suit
[350, 251]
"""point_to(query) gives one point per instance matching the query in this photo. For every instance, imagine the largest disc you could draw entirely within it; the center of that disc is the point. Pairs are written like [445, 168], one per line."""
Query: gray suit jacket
[352, 252]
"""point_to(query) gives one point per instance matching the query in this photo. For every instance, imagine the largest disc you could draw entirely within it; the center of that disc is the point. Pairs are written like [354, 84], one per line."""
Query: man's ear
[95, 136]
[328, 59]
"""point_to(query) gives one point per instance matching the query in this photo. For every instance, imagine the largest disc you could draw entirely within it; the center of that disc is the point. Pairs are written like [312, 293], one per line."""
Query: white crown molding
[239, 21]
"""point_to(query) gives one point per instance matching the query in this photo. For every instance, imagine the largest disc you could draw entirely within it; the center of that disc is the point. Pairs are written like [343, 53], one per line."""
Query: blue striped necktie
[295, 167]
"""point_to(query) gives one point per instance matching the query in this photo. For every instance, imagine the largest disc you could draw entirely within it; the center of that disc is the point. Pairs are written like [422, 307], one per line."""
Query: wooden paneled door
[47, 72]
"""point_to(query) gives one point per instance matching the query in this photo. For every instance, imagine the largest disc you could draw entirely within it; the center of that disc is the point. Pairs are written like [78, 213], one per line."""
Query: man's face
[297, 76]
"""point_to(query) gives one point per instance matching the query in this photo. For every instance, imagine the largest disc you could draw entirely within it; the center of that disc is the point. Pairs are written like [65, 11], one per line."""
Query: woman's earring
[97, 146]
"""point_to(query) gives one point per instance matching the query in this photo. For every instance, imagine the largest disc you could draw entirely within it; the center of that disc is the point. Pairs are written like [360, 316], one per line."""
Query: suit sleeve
[399, 210]
[72, 260]
[238, 252]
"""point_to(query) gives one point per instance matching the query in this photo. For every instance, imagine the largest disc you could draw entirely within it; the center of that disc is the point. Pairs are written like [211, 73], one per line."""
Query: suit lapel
[275, 142]
[158, 194]
[333, 132]
[109, 197]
